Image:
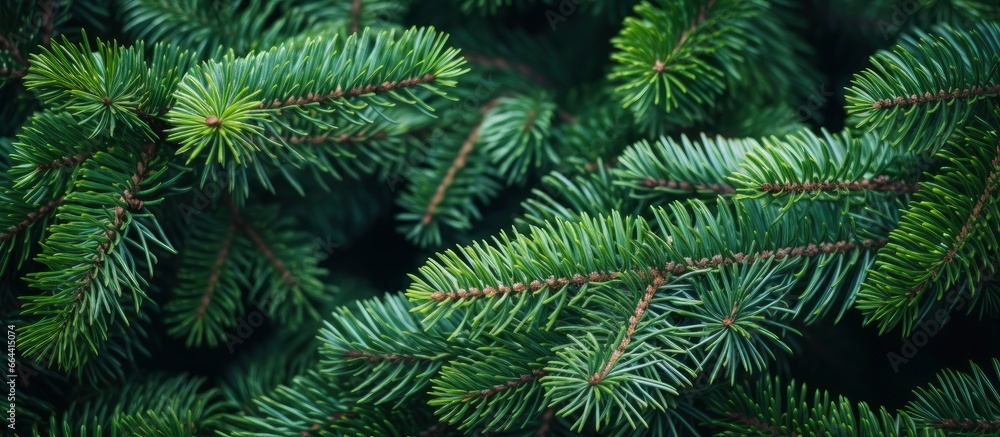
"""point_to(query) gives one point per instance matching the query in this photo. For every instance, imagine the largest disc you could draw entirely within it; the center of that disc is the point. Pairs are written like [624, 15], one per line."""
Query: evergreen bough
[165, 177]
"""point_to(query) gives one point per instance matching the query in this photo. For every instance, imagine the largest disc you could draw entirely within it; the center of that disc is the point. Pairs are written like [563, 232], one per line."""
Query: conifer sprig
[225, 107]
[929, 85]
[682, 167]
[929, 251]
[103, 245]
[641, 284]
[667, 44]
[829, 166]
[963, 404]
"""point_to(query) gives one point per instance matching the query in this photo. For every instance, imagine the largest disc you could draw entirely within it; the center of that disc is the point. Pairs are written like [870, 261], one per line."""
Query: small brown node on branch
[213, 121]
[731, 318]
[659, 67]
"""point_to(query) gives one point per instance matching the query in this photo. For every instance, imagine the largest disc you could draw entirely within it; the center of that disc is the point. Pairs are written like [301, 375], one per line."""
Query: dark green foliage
[930, 252]
[618, 217]
[684, 57]
[915, 102]
[243, 115]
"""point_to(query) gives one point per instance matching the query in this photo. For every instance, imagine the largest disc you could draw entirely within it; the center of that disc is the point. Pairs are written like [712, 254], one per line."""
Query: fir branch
[687, 187]
[687, 265]
[590, 191]
[512, 384]
[278, 271]
[226, 106]
[665, 45]
[213, 279]
[739, 317]
[126, 200]
[767, 407]
[48, 157]
[608, 372]
[689, 57]
[520, 287]
[909, 100]
[285, 266]
[671, 169]
[356, 144]
[41, 212]
[567, 254]
[967, 227]
[928, 252]
[88, 261]
[960, 403]
[840, 167]
[974, 93]
[307, 405]
[497, 387]
[104, 90]
[178, 403]
[359, 137]
[512, 135]
[695, 22]
[338, 94]
[66, 161]
[204, 28]
[633, 321]
[207, 300]
[395, 363]
[878, 183]
[460, 159]
[516, 133]
[283, 271]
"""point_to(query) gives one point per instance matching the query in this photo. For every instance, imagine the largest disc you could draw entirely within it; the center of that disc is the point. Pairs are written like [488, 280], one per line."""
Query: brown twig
[633, 322]
[33, 217]
[460, 160]
[355, 14]
[286, 274]
[927, 97]
[504, 64]
[688, 264]
[375, 358]
[966, 228]
[213, 279]
[130, 201]
[878, 183]
[758, 424]
[338, 93]
[687, 186]
[512, 384]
